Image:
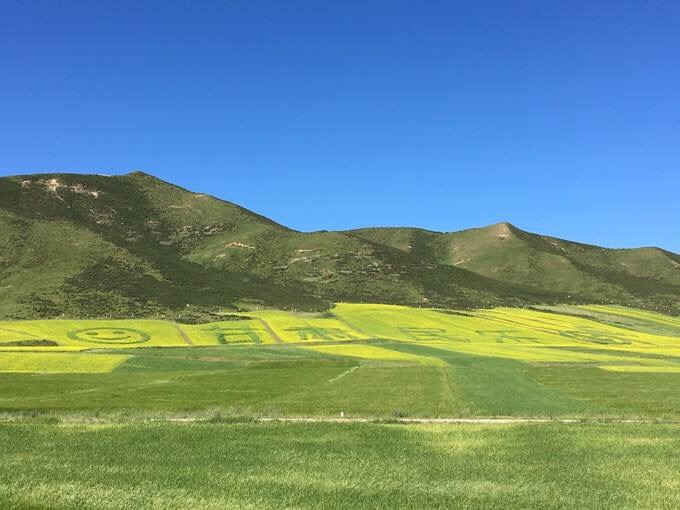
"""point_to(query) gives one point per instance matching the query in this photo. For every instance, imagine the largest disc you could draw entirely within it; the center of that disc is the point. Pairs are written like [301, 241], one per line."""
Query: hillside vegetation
[643, 277]
[134, 246]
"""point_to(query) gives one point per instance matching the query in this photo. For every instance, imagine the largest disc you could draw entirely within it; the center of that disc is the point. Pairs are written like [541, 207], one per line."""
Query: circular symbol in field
[110, 335]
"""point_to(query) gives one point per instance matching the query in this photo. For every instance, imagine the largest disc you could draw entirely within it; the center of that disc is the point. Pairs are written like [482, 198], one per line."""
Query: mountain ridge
[92, 245]
[511, 226]
[147, 175]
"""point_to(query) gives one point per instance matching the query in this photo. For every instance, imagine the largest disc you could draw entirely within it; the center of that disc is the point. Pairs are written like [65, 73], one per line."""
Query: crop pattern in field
[613, 338]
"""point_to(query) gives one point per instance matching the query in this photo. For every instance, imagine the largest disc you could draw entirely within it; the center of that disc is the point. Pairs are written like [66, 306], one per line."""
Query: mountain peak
[142, 174]
[502, 229]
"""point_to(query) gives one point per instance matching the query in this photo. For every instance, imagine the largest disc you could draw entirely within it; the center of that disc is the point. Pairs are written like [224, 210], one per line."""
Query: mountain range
[135, 246]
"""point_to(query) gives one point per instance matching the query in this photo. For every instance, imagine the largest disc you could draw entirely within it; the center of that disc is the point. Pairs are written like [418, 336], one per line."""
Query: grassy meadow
[156, 414]
[352, 466]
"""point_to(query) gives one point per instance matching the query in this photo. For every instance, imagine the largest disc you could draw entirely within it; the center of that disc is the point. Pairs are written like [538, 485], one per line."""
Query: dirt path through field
[184, 336]
[9, 418]
[269, 330]
[440, 421]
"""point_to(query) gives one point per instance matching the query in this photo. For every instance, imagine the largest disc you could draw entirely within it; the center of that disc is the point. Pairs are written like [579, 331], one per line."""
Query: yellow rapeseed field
[533, 336]
[296, 328]
[59, 362]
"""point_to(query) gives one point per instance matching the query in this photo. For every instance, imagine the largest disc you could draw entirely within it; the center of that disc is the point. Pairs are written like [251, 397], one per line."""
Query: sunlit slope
[133, 246]
[41, 255]
[98, 246]
[641, 277]
[340, 267]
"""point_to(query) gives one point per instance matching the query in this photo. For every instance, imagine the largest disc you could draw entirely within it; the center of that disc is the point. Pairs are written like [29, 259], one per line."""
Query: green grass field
[153, 414]
[361, 360]
[352, 466]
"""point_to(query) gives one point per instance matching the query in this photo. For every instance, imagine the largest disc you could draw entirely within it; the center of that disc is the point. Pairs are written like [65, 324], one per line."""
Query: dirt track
[349, 420]
[184, 336]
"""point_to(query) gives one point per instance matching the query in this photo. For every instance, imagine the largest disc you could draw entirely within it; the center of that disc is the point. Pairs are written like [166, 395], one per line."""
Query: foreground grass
[354, 466]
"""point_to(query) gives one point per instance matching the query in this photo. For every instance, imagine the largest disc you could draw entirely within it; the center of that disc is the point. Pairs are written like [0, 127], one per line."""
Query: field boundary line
[269, 330]
[184, 336]
[452, 421]
[347, 421]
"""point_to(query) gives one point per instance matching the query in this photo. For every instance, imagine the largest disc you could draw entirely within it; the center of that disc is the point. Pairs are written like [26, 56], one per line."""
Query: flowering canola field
[612, 338]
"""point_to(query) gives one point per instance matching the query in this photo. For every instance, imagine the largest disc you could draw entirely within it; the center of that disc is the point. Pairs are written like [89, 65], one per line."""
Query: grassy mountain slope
[647, 277]
[328, 266]
[91, 245]
[346, 268]
[96, 245]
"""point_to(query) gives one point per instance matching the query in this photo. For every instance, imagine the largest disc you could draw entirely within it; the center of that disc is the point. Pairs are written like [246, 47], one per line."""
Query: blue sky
[562, 117]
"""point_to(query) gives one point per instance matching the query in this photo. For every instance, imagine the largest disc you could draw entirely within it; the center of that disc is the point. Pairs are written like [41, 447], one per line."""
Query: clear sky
[562, 117]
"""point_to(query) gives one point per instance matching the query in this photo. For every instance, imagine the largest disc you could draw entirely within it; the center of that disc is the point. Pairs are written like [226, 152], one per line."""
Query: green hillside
[135, 246]
[642, 277]
[87, 245]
